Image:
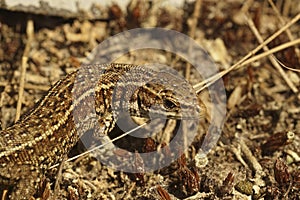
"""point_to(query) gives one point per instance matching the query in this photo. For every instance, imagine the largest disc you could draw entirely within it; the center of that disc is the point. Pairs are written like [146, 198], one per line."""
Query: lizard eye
[168, 104]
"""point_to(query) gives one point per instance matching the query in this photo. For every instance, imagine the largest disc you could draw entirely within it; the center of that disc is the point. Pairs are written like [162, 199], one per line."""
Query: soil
[258, 153]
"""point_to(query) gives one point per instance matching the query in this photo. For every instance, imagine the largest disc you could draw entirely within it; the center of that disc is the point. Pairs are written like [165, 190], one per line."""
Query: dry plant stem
[36, 87]
[2, 96]
[200, 86]
[237, 153]
[193, 25]
[246, 6]
[284, 66]
[4, 195]
[254, 164]
[294, 155]
[21, 87]
[199, 195]
[271, 51]
[88, 183]
[130, 190]
[29, 86]
[214, 78]
[29, 31]
[58, 179]
[282, 22]
[194, 20]
[271, 57]
[286, 7]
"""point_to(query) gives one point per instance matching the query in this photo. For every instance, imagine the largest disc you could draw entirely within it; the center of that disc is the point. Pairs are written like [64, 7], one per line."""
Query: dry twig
[30, 32]
[282, 22]
[246, 59]
[271, 56]
[193, 25]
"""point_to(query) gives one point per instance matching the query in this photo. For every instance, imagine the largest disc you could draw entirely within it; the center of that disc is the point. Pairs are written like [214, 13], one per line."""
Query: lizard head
[156, 100]
[146, 93]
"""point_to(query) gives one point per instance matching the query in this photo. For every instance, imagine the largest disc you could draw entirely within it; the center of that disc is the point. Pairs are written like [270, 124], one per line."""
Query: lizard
[48, 132]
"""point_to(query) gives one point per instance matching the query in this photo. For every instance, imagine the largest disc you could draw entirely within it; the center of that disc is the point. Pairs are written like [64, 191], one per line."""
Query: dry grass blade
[283, 65]
[30, 33]
[282, 22]
[202, 85]
[247, 59]
[192, 26]
[271, 57]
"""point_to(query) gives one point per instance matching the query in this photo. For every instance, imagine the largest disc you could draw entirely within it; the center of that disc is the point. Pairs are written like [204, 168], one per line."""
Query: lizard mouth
[154, 114]
[156, 111]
